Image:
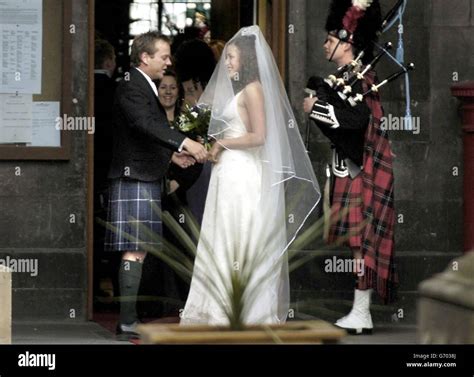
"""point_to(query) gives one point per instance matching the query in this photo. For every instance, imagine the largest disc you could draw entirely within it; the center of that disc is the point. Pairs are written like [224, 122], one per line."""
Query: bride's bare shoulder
[253, 91]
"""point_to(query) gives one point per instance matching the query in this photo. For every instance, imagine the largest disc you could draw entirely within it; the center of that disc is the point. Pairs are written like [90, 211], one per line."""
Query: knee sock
[361, 284]
[130, 274]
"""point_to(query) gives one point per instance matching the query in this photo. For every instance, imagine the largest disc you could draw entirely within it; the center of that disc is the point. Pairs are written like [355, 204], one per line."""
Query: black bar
[227, 360]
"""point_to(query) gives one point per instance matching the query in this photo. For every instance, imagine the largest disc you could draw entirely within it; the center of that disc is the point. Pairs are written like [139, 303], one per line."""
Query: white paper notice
[15, 118]
[21, 42]
[45, 133]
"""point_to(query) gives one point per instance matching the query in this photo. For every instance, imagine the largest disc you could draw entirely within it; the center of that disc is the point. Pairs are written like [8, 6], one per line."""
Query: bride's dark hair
[248, 71]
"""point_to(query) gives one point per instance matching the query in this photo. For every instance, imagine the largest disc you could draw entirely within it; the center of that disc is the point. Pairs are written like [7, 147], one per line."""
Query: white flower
[194, 114]
[362, 4]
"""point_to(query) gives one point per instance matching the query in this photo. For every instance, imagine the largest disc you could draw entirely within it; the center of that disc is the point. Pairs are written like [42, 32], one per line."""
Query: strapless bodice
[235, 127]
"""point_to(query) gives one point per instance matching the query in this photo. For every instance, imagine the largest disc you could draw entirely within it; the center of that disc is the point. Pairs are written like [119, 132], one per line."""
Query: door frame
[90, 165]
[272, 19]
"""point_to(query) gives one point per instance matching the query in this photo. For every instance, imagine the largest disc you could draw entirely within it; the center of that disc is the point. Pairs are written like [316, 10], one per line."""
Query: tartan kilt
[133, 216]
[346, 219]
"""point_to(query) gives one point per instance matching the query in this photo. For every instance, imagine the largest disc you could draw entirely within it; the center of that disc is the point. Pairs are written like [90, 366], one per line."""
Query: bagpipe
[340, 95]
[338, 88]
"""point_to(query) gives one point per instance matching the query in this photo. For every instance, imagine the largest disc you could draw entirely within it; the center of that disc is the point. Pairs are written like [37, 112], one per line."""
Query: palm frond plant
[235, 293]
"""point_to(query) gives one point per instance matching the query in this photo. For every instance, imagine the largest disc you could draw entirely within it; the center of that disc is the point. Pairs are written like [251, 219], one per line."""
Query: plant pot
[294, 332]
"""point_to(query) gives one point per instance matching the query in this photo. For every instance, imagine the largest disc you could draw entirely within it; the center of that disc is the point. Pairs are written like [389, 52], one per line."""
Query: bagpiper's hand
[309, 103]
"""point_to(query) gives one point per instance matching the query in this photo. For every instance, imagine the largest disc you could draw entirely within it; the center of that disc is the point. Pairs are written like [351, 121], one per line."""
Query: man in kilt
[360, 176]
[143, 146]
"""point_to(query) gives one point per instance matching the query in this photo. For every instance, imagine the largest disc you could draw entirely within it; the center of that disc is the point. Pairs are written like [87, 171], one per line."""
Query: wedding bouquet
[194, 121]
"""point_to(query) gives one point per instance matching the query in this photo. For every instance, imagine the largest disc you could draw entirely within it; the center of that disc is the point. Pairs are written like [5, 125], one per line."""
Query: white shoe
[359, 320]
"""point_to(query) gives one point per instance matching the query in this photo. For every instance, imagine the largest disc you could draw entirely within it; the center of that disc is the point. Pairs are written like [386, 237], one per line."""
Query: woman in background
[170, 94]
[195, 62]
[217, 47]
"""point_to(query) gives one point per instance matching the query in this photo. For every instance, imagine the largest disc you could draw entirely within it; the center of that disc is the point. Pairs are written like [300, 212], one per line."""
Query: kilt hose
[133, 216]
[362, 211]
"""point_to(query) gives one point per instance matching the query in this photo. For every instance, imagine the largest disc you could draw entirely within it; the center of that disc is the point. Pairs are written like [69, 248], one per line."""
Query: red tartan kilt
[346, 211]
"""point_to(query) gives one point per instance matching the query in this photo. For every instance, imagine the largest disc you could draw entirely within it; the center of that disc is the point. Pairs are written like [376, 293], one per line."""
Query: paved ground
[385, 335]
[92, 333]
[62, 333]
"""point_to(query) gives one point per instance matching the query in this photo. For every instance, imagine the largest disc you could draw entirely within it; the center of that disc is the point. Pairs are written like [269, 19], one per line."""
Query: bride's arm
[255, 104]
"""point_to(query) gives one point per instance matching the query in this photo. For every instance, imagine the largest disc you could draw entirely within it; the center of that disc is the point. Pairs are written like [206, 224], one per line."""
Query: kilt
[133, 216]
[347, 212]
[368, 202]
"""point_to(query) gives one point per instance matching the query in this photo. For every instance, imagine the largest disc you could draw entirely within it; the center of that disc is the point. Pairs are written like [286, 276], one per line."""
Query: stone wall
[36, 208]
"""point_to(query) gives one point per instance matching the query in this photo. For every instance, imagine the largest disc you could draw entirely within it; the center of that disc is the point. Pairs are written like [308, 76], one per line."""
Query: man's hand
[214, 152]
[196, 149]
[309, 103]
[183, 159]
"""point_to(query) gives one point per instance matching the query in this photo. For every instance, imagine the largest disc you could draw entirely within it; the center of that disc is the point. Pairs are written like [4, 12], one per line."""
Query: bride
[262, 189]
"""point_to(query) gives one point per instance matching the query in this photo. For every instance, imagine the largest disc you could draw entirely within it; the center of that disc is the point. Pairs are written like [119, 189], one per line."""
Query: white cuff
[180, 149]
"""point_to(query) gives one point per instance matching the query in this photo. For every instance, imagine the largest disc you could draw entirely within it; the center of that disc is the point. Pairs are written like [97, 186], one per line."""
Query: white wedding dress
[231, 224]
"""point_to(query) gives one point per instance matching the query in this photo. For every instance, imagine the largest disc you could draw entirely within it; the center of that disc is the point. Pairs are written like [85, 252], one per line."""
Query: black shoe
[362, 331]
[127, 332]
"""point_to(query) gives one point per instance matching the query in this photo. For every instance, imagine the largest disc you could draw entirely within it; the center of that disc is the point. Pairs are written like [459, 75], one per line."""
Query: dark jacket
[143, 140]
[349, 137]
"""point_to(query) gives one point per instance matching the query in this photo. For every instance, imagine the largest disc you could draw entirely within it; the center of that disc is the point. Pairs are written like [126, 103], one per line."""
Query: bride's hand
[214, 152]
